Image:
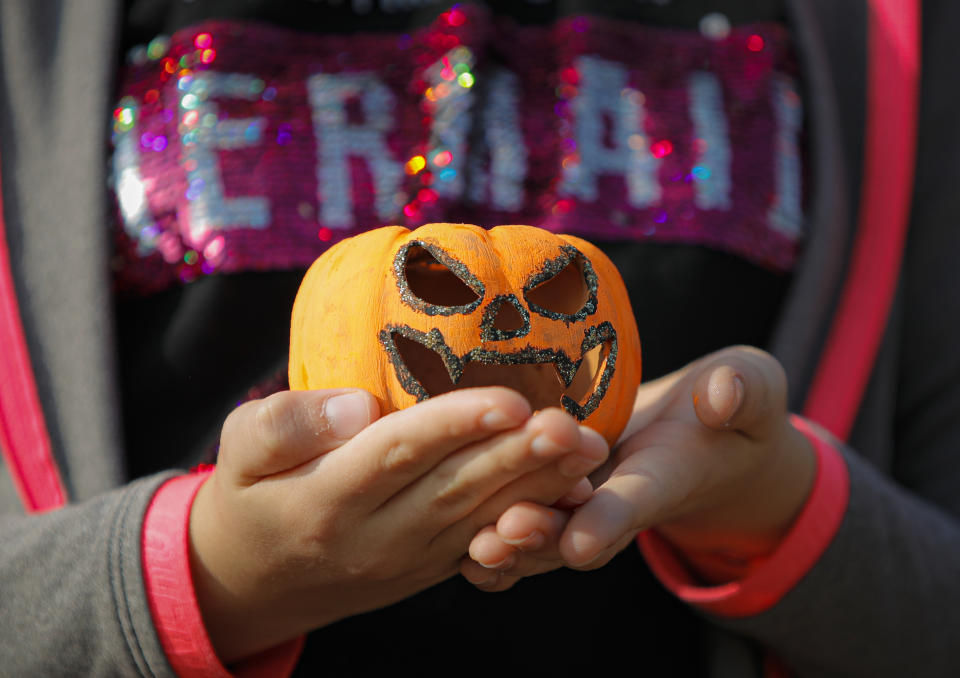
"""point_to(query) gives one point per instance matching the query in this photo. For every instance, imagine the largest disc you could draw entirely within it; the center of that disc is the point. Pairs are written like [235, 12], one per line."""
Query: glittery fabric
[243, 147]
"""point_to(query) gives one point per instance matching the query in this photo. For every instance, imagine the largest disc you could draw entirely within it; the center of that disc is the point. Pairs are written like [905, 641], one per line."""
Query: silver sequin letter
[452, 117]
[129, 186]
[338, 140]
[604, 92]
[712, 172]
[209, 208]
[504, 141]
[786, 214]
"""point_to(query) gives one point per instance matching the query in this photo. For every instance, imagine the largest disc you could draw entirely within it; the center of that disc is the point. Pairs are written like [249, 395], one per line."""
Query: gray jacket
[884, 599]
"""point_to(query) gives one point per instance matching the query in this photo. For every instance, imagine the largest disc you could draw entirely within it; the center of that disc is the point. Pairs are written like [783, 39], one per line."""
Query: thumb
[743, 389]
[290, 428]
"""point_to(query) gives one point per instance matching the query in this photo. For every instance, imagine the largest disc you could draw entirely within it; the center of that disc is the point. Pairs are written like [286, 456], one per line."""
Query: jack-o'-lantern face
[410, 315]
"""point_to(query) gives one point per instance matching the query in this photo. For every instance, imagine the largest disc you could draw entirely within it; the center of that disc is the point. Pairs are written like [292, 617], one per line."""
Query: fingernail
[504, 564]
[534, 540]
[347, 414]
[576, 466]
[545, 446]
[601, 442]
[587, 546]
[579, 495]
[725, 392]
[497, 420]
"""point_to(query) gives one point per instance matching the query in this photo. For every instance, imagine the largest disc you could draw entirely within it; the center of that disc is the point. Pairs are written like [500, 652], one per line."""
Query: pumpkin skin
[410, 314]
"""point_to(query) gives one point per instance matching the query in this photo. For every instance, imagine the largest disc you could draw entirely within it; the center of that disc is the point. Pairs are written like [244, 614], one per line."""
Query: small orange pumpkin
[409, 315]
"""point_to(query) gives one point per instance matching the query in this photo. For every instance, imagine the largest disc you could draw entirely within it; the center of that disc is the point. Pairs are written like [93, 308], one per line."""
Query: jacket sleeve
[884, 600]
[884, 597]
[880, 600]
[73, 601]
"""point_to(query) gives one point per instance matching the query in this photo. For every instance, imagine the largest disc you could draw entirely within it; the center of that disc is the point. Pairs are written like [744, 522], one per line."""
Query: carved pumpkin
[409, 315]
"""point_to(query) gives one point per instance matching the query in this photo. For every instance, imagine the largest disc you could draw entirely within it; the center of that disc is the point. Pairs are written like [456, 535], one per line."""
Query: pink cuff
[173, 604]
[767, 582]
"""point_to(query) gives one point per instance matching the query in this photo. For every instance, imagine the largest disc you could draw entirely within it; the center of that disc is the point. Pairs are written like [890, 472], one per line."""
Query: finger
[290, 428]
[491, 552]
[583, 490]
[605, 555]
[515, 567]
[635, 497]
[580, 494]
[407, 445]
[524, 529]
[592, 453]
[547, 485]
[486, 579]
[468, 479]
[743, 389]
[653, 397]
[544, 486]
[532, 528]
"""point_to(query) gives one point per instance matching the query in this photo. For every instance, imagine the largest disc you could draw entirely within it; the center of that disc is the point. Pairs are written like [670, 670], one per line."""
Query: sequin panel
[665, 135]
[243, 147]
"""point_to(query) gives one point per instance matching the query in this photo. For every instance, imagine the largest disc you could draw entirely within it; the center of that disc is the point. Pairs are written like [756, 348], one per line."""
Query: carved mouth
[426, 366]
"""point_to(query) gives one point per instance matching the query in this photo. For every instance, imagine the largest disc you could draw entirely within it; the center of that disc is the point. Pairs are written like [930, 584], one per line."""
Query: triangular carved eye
[435, 283]
[565, 289]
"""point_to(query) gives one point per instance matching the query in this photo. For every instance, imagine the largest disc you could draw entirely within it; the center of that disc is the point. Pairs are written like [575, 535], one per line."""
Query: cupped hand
[709, 459]
[318, 510]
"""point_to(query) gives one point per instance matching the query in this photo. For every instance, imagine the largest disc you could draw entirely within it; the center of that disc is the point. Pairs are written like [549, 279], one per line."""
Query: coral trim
[173, 602]
[24, 441]
[893, 51]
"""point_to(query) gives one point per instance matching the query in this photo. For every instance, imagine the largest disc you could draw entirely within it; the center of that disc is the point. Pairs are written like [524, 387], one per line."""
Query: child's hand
[709, 458]
[301, 524]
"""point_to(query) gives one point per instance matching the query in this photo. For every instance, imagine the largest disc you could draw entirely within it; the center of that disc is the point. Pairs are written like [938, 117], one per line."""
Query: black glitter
[490, 333]
[432, 340]
[566, 367]
[552, 268]
[595, 336]
[458, 268]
